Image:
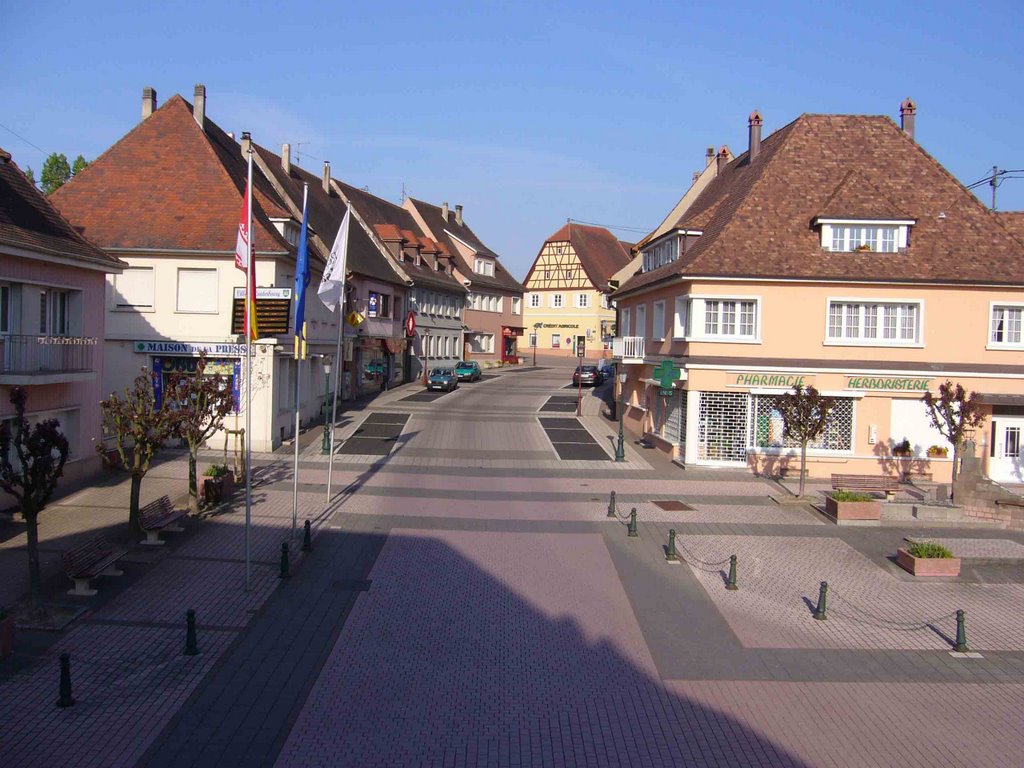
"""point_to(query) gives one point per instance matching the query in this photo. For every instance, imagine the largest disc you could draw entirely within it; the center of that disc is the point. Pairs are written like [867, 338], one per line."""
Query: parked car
[587, 374]
[375, 367]
[468, 370]
[442, 378]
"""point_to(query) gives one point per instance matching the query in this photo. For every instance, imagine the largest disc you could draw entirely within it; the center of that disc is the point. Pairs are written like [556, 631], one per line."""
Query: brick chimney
[754, 124]
[907, 111]
[286, 158]
[327, 176]
[148, 101]
[723, 160]
[458, 215]
[199, 105]
[444, 210]
[709, 156]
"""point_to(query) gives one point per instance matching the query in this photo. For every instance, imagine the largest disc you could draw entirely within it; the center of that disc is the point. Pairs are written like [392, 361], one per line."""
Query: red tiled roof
[756, 217]
[599, 251]
[387, 231]
[1013, 222]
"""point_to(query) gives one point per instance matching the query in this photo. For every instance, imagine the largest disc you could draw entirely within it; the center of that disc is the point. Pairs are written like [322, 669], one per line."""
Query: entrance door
[1007, 465]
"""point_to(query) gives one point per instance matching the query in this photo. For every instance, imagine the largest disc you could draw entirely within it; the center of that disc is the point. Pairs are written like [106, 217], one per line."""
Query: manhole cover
[673, 506]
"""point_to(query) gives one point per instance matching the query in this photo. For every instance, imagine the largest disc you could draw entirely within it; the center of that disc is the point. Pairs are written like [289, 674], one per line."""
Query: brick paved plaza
[470, 603]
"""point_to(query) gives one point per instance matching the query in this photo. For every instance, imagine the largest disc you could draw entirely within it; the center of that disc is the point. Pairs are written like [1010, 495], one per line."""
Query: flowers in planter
[929, 549]
[938, 452]
[853, 496]
[216, 470]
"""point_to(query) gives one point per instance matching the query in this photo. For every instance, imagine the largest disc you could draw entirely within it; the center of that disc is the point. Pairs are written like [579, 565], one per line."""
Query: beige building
[567, 291]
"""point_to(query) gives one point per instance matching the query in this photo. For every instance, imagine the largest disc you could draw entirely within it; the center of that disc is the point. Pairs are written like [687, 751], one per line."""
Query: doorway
[1007, 458]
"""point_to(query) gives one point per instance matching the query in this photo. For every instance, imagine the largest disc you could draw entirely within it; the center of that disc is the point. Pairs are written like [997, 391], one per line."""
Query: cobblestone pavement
[470, 603]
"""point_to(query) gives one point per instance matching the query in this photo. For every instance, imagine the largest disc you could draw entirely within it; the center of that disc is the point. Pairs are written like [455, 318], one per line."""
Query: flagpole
[300, 354]
[339, 364]
[250, 311]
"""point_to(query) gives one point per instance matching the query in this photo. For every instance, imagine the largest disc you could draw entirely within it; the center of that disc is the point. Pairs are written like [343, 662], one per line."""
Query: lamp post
[620, 447]
[536, 340]
[325, 446]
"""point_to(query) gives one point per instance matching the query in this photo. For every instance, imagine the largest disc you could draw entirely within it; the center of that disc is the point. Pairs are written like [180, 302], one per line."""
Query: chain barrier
[867, 617]
[709, 566]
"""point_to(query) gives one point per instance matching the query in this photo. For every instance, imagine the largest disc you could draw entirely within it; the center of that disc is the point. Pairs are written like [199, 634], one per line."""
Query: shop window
[767, 425]
[721, 429]
[556, 340]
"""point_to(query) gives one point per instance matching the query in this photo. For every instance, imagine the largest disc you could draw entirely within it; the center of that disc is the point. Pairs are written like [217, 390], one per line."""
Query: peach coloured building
[838, 253]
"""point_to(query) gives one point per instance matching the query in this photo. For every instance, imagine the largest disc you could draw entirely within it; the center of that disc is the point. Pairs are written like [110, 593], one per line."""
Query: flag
[331, 286]
[242, 251]
[302, 268]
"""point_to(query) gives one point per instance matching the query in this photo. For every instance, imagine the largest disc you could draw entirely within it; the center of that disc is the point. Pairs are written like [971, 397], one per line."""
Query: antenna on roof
[403, 191]
[298, 151]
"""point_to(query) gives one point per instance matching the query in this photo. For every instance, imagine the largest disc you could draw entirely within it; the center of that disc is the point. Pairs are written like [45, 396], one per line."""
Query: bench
[85, 562]
[876, 483]
[157, 516]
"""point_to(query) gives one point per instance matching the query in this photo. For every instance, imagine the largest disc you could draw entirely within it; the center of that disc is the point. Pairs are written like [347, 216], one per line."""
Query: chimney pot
[709, 156]
[246, 142]
[199, 105]
[444, 210]
[286, 158]
[754, 124]
[148, 102]
[327, 176]
[907, 111]
[458, 215]
[723, 160]
[696, 175]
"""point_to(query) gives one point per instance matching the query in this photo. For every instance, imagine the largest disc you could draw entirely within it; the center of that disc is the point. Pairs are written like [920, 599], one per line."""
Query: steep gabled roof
[757, 216]
[1013, 222]
[29, 221]
[167, 184]
[600, 253]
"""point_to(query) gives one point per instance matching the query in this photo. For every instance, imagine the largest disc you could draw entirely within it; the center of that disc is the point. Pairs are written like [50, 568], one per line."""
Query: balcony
[629, 349]
[26, 359]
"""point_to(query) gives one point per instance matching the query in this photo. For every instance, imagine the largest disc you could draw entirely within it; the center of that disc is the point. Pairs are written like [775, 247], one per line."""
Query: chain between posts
[692, 559]
[867, 617]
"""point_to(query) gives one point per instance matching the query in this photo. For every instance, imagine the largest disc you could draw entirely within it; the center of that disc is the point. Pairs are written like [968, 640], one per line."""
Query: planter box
[853, 510]
[927, 566]
[6, 637]
[213, 490]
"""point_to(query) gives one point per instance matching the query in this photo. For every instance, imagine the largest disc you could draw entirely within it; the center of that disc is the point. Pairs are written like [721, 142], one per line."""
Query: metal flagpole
[250, 310]
[338, 364]
[300, 354]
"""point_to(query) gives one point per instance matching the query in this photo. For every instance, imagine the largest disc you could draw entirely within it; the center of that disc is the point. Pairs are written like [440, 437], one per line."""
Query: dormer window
[841, 236]
[662, 253]
[484, 267]
[288, 229]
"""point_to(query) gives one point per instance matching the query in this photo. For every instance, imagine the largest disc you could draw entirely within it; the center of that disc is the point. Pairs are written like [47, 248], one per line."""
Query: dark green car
[468, 370]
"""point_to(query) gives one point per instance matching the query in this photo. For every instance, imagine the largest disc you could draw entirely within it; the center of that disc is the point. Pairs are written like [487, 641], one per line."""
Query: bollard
[191, 646]
[307, 538]
[961, 634]
[611, 505]
[671, 555]
[65, 699]
[632, 524]
[730, 583]
[284, 560]
[820, 611]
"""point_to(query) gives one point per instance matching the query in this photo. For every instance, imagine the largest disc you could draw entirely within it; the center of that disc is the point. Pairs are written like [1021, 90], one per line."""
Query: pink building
[49, 343]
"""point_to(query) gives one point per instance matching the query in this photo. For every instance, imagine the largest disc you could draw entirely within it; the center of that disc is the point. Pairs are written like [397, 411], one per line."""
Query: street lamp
[536, 339]
[620, 448]
[325, 446]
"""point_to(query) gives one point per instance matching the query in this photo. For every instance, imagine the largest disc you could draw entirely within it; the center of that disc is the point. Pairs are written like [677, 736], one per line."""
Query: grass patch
[929, 549]
[852, 496]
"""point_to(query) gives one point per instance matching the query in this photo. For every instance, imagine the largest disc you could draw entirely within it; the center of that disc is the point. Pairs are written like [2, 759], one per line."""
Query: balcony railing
[629, 349]
[45, 355]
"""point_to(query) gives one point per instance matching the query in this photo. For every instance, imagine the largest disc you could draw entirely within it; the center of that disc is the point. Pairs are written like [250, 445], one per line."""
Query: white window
[641, 320]
[682, 319]
[661, 254]
[533, 339]
[1006, 325]
[873, 236]
[534, 300]
[557, 300]
[484, 267]
[871, 323]
[133, 289]
[624, 319]
[717, 319]
[517, 305]
[583, 300]
[447, 346]
[658, 321]
[556, 340]
[197, 290]
[54, 318]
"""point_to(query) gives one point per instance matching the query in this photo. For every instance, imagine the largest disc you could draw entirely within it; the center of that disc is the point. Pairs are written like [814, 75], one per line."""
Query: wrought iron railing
[41, 355]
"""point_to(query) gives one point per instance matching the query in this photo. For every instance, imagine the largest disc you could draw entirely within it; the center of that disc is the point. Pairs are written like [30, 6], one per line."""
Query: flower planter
[853, 510]
[927, 566]
[6, 636]
[213, 490]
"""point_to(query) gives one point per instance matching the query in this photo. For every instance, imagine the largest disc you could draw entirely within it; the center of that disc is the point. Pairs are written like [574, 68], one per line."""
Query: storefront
[510, 335]
[167, 358]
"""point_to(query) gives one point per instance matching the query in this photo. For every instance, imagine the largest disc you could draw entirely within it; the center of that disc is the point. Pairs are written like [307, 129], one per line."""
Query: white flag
[334, 273]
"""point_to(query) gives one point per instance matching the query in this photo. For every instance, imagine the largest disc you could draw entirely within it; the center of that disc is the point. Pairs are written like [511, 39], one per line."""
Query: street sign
[581, 347]
[410, 324]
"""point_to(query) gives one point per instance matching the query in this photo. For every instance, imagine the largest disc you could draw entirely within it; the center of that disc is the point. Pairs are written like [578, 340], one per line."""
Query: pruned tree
[56, 172]
[201, 403]
[79, 165]
[32, 460]
[804, 416]
[954, 413]
[138, 429]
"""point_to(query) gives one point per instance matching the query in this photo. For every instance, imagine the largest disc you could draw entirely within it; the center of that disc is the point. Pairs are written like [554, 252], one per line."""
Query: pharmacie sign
[888, 383]
[189, 348]
[786, 380]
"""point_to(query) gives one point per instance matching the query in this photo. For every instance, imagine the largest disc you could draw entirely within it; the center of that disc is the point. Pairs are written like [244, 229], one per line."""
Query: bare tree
[40, 452]
[804, 415]
[954, 413]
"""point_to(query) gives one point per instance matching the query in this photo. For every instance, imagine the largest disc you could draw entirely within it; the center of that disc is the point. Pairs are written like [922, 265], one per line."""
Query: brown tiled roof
[29, 221]
[757, 216]
[857, 198]
[167, 184]
[599, 251]
[1013, 222]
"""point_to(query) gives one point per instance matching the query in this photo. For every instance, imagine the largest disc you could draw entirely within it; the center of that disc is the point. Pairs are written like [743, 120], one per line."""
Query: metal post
[191, 647]
[65, 699]
[284, 560]
[670, 553]
[961, 634]
[307, 538]
[340, 366]
[611, 505]
[632, 524]
[620, 447]
[730, 583]
[325, 443]
[820, 611]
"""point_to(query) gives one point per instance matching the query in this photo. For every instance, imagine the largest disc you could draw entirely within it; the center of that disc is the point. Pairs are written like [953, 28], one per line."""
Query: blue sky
[525, 113]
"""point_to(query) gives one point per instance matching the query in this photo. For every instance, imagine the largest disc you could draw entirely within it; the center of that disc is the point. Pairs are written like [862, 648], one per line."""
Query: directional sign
[410, 324]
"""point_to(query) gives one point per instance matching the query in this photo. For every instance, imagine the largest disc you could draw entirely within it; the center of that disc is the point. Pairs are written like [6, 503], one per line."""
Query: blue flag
[302, 267]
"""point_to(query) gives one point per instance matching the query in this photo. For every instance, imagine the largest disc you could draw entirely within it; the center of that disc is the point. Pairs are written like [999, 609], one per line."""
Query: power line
[642, 231]
[10, 130]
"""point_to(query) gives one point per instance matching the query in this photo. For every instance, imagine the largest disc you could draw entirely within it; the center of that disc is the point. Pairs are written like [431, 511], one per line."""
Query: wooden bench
[875, 483]
[85, 562]
[157, 516]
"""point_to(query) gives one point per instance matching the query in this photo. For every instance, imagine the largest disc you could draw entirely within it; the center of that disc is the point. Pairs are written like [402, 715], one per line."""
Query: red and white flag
[243, 248]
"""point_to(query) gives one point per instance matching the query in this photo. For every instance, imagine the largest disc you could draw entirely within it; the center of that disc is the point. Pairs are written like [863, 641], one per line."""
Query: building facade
[835, 253]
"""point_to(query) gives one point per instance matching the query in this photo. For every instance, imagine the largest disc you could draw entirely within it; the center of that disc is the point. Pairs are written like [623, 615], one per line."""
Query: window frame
[656, 327]
[536, 301]
[582, 301]
[557, 301]
[1004, 345]
[697, 310]
[151, 307]
[879, 341]
[177, 291]
[900, 240]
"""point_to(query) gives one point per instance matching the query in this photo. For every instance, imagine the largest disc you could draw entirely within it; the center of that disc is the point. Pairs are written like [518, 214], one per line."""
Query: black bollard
[611, 505]
[65, 699]
[284, 560]
[730, 583]
[961, 634]
[307, 538]
[670, 554]
[632, 524]
[191, 646]
[820, 611]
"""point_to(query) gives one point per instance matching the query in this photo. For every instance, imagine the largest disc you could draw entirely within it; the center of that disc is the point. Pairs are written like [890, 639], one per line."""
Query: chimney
[199, 105]
[231, 135]
[246, 143]
[458, 215]
[286, 158]
[723, 160]
[709, 156]
[754, 124]
[907, 111]
[327, 176]
[696, 175]
[148, 101]
[444, 210]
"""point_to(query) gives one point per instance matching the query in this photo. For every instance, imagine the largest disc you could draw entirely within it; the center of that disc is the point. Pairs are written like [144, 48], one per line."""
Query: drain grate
[673, 506]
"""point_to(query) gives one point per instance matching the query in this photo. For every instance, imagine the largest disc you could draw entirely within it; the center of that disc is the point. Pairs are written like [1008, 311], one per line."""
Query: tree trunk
[134, 523]
[193, 489]
[32, 522]
[803, 467]
[956, 467]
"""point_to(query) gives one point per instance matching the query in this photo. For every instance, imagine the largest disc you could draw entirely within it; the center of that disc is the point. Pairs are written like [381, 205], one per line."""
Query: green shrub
[929, 549]
[216, 470]
[852, 496]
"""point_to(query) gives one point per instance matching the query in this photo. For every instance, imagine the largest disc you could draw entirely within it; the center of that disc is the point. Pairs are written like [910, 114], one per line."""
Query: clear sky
[525, 113]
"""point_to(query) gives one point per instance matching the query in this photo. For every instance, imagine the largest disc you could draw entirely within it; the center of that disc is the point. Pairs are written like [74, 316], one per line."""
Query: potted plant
[927, 558]
[937, 452]
[217, 483]
[851, 505]
[6, 634]
[903, 449]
